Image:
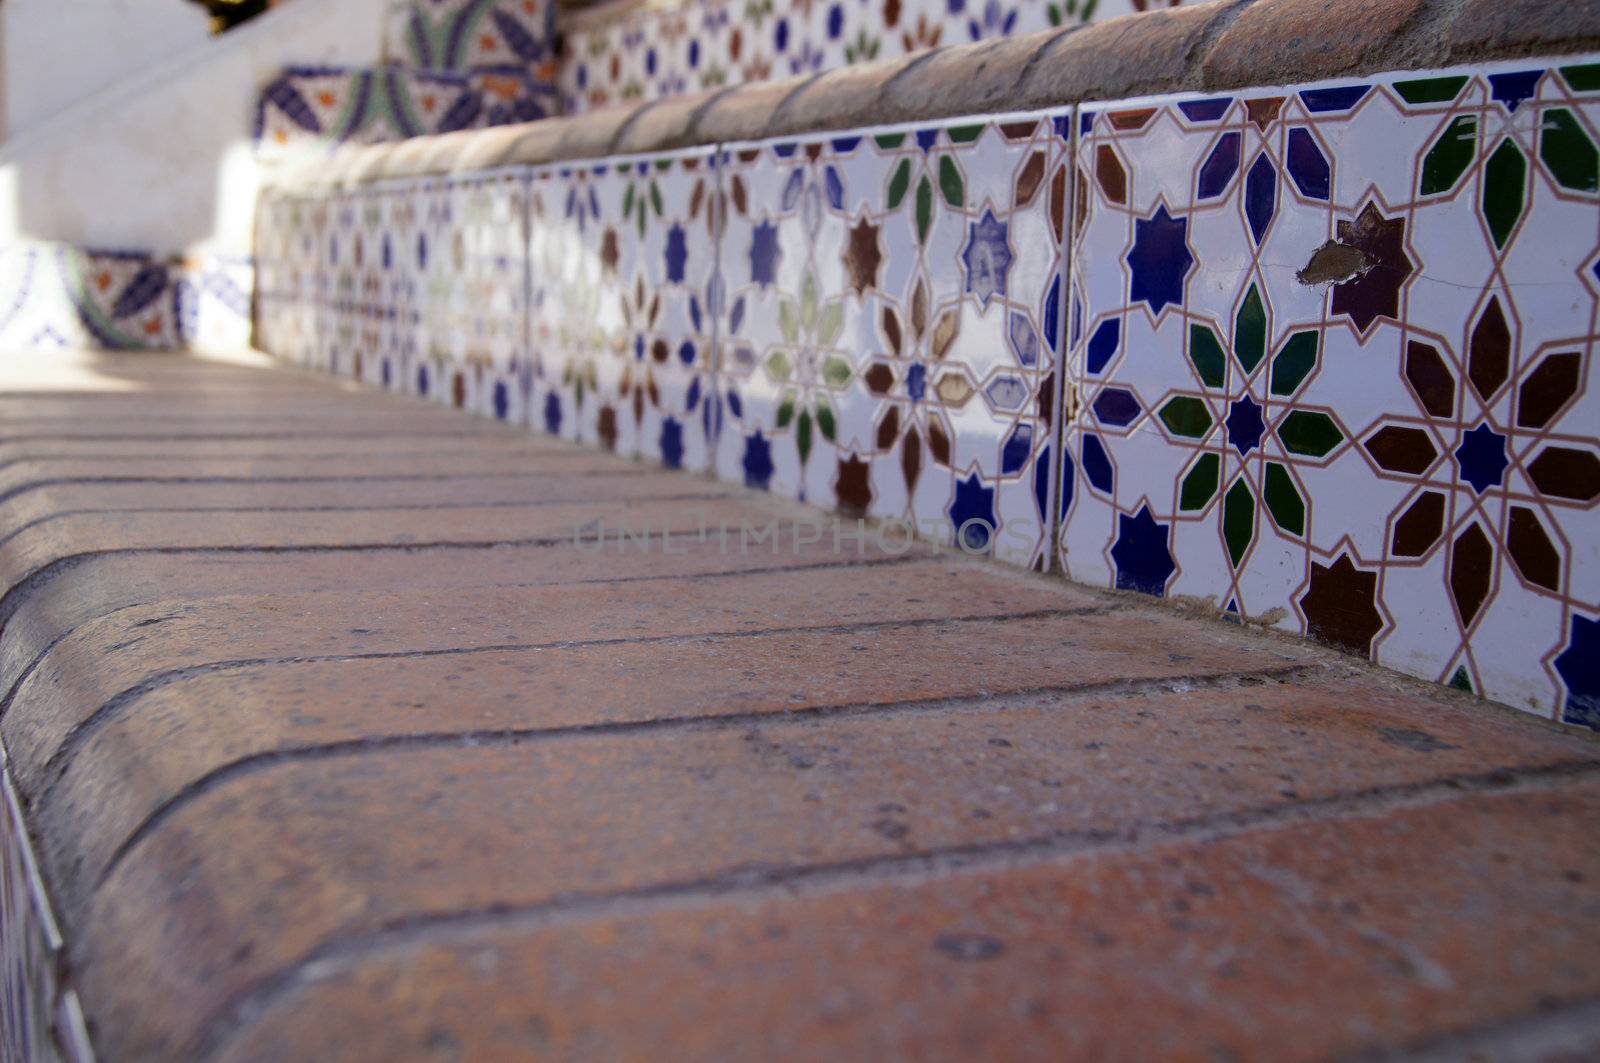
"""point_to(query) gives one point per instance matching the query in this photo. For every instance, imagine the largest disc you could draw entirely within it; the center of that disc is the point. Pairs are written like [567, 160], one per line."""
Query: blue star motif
[1482, 457]
[1579, 668]
[757, 461]
[972, 513]
[987, 257]
[1245, 425]
[677, 253]
[764, 253]
[1144, 562]
[1160, 259]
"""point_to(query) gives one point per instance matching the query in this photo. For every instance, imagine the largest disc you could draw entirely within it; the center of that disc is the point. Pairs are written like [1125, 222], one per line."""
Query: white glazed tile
[622, 329]
[890, 299]
[1425, 539]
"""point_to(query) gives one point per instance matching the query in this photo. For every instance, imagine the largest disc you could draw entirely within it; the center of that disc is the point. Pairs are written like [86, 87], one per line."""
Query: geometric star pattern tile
[891, 307]
[1319, 355]
[1328, 362]
[622, 260]
[477, 344]
[287, 247]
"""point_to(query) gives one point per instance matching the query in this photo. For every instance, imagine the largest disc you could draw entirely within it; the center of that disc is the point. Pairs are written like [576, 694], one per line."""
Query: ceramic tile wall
[350, 226]
[622, 268]
[289, 247]
[892, 306]
[476, 344]
[475, 34]
[213, 301]
[1391, 446]
[58, 295]
[1325, 355]
[708, 44]
[39, 311]
[456, 64]
[418, 287]
[338, 105]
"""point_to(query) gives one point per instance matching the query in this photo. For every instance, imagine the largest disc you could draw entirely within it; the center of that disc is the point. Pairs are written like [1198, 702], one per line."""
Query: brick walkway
[336, 745]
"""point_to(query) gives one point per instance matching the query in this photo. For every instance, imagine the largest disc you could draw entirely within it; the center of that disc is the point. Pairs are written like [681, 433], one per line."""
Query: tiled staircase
[688, 713]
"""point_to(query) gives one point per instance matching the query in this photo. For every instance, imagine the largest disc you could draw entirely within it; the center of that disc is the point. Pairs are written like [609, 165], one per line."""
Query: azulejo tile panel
[1385, 443]
[708, 44]
[467, 64]
[39, 311]
[476, 345]
[621, 262]
[891, 303]
[58, 295]
[476, 34]
[345, 333]
[289, 248]
[418, 287]
[368, 105]
[1325, 355]
[213, 301]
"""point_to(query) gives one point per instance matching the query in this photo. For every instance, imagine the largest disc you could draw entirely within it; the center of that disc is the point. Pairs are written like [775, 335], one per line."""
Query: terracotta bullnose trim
[592, 17]
[1214, 45]
[666, 124]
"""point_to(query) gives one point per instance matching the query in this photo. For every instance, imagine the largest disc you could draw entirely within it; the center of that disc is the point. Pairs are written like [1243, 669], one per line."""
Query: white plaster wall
[161, 160]
[57, 52]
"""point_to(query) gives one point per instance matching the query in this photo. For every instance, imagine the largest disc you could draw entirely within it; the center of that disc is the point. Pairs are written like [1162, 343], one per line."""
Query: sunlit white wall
[57, 53]
[159, 160]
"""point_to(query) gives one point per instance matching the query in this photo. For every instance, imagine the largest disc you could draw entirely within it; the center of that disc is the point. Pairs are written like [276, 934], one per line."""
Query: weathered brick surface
[1123, 57]
[593, 135]
[37, 550]
[745, 113]
[988, 75]
[1294, 942]
[178, 743]
[306, 446]
[99, 661]
[490, 148]
[1274, 42]
[841, 98]
[530, 144]
[35, 472]
[1495, 27]
[435, 831]
[356, 753]
[96, 585]
[41, 503]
